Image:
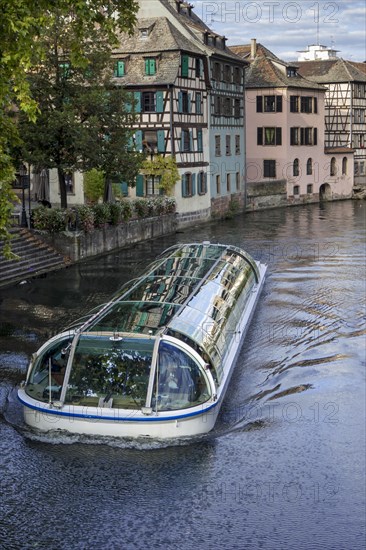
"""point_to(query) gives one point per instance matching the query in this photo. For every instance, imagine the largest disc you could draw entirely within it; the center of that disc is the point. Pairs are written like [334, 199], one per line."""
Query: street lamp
[23, 175]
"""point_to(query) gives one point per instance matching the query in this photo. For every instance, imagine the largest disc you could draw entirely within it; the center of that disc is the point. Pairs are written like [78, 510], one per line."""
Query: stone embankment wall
[79, 245]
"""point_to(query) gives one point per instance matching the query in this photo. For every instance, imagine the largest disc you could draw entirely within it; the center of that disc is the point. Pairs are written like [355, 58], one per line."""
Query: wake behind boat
[156, 360]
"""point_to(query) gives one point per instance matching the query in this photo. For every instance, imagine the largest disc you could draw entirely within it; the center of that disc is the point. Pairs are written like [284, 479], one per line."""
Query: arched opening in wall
[333, 167]
[344, 166]
[325, 192]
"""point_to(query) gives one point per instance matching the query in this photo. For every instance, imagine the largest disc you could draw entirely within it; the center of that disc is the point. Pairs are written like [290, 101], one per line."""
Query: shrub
[141, 208]
[85, 215]
[94, 185]
[127, 209]
[115, 210]
[52, 220]
[102, 214]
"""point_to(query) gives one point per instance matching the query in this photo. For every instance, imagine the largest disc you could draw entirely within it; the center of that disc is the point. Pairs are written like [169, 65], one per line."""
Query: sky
[285, 26]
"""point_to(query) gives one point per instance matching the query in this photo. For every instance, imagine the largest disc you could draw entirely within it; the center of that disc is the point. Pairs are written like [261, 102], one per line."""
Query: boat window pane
[110, 373]
[164, 289]
[138, 317]
[48, 372]
[179, 382]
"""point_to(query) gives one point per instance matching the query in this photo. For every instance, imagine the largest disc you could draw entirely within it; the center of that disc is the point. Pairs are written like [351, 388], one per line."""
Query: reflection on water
[284, 466]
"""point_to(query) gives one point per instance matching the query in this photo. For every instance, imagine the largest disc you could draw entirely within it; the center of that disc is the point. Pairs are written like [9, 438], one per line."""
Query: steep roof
[333, 70]
[266, 70]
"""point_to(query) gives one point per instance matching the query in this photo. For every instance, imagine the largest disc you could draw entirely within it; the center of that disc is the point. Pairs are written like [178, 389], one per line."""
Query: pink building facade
[286, 159]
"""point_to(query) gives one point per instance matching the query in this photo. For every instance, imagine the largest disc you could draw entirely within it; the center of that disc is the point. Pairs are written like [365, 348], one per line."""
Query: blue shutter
[124, 189]
[191, 140]
[161, 141]
[198, 103]
[193, 184]
[137, 96]
[185, 65]
[182, 141]
[199, 141]
[140, 185]
[138, 140]
[159, 102]
[189, 103]
[180, 102]
[184, 186]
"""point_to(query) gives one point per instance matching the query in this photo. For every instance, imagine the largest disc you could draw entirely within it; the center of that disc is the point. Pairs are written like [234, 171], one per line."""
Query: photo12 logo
[268, 12]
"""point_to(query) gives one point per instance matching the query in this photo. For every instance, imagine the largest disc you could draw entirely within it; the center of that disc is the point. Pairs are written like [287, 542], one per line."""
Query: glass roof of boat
[190, 289]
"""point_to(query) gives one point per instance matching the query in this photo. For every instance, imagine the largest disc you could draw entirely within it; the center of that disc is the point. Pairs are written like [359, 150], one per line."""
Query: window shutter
[161, 141]
[279, 103]
[193, 184]
[159, 102]
[140, 185]
[199, 141]
[189, 101]
[138, 140]
[185, 65]
[184, 186]
[182, 142]
[198, 103]
[190, 140]
[315, 136]
[124, 189]
[302, 136]
[315, 104]
[259, 104]
[147, 66]
[259, 136]
[278, 136]
[180, 102]
[152, 66]
[137, 97]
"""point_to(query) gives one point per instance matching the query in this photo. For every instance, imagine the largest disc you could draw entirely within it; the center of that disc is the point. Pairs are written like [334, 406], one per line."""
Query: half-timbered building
[345, 103]
[188, 90]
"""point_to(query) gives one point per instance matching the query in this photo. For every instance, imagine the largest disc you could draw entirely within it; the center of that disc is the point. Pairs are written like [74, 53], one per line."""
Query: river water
[284, 467]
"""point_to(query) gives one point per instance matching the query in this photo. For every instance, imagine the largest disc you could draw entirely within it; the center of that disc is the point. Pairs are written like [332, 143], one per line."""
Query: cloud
[285, 26]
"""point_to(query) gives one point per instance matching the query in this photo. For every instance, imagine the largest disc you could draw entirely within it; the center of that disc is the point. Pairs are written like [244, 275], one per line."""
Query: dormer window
[144, 33]
[150, 66]
[119, 68]
[291, 72]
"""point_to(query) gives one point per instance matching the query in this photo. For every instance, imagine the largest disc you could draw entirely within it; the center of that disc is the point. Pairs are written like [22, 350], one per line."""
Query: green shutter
[119, 68]
[137, 97]
[184, 187]
[185, 66]
[138, 140]
[124, 189]
[161, 141]
[150, 66]
[180, 102]
[199, 141]
[159, 102]
[140, 185]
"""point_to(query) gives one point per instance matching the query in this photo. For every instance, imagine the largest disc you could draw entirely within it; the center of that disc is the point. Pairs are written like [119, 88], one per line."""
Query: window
[201, 183]
[356, 168]
[294, 103]
[309, 167]
[309, 189]
[344, 166]
[187, 185]
[152, 185]
[306, 104]
[218, 185]
[217, 105]
[237, 75]
[237, 145]
[294, 136]
[227, 73]
[184, 102]
[228, 145]
[153, 141]
[269, 136]
[291, 72]
[296, 190]
[237, 180]
[199, 67]
[362, 168]
[150, 66]
[69, 182]
[269, 104]
[119, 68]
[217, 146]
[237, 108]
[216, 73]
[269, 168]
[186, 139]
[333, 167]
[303, 136]
[185, 66]
[148, 104]
[198, 103]
[295, 168]
[228, 111]
[228, 183]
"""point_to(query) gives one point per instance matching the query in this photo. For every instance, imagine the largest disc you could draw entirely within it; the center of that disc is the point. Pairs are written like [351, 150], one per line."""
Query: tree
[21, 24]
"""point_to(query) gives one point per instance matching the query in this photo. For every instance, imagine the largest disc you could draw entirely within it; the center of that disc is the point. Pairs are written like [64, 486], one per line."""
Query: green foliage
[165, 168]
[85, 215]
[94, 185]
[102, 214]
[52, 220]
[23, 48]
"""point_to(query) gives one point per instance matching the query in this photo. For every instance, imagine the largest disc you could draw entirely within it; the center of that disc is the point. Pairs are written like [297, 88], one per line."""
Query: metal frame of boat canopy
[157, 356]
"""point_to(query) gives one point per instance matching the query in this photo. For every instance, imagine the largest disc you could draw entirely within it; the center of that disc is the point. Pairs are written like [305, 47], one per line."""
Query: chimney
[253, 48]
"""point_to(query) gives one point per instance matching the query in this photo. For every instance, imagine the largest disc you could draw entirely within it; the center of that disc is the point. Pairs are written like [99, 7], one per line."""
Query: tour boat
[155, 361]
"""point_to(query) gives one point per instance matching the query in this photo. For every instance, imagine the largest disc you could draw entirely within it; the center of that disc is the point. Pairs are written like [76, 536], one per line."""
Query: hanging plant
[165, 168]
